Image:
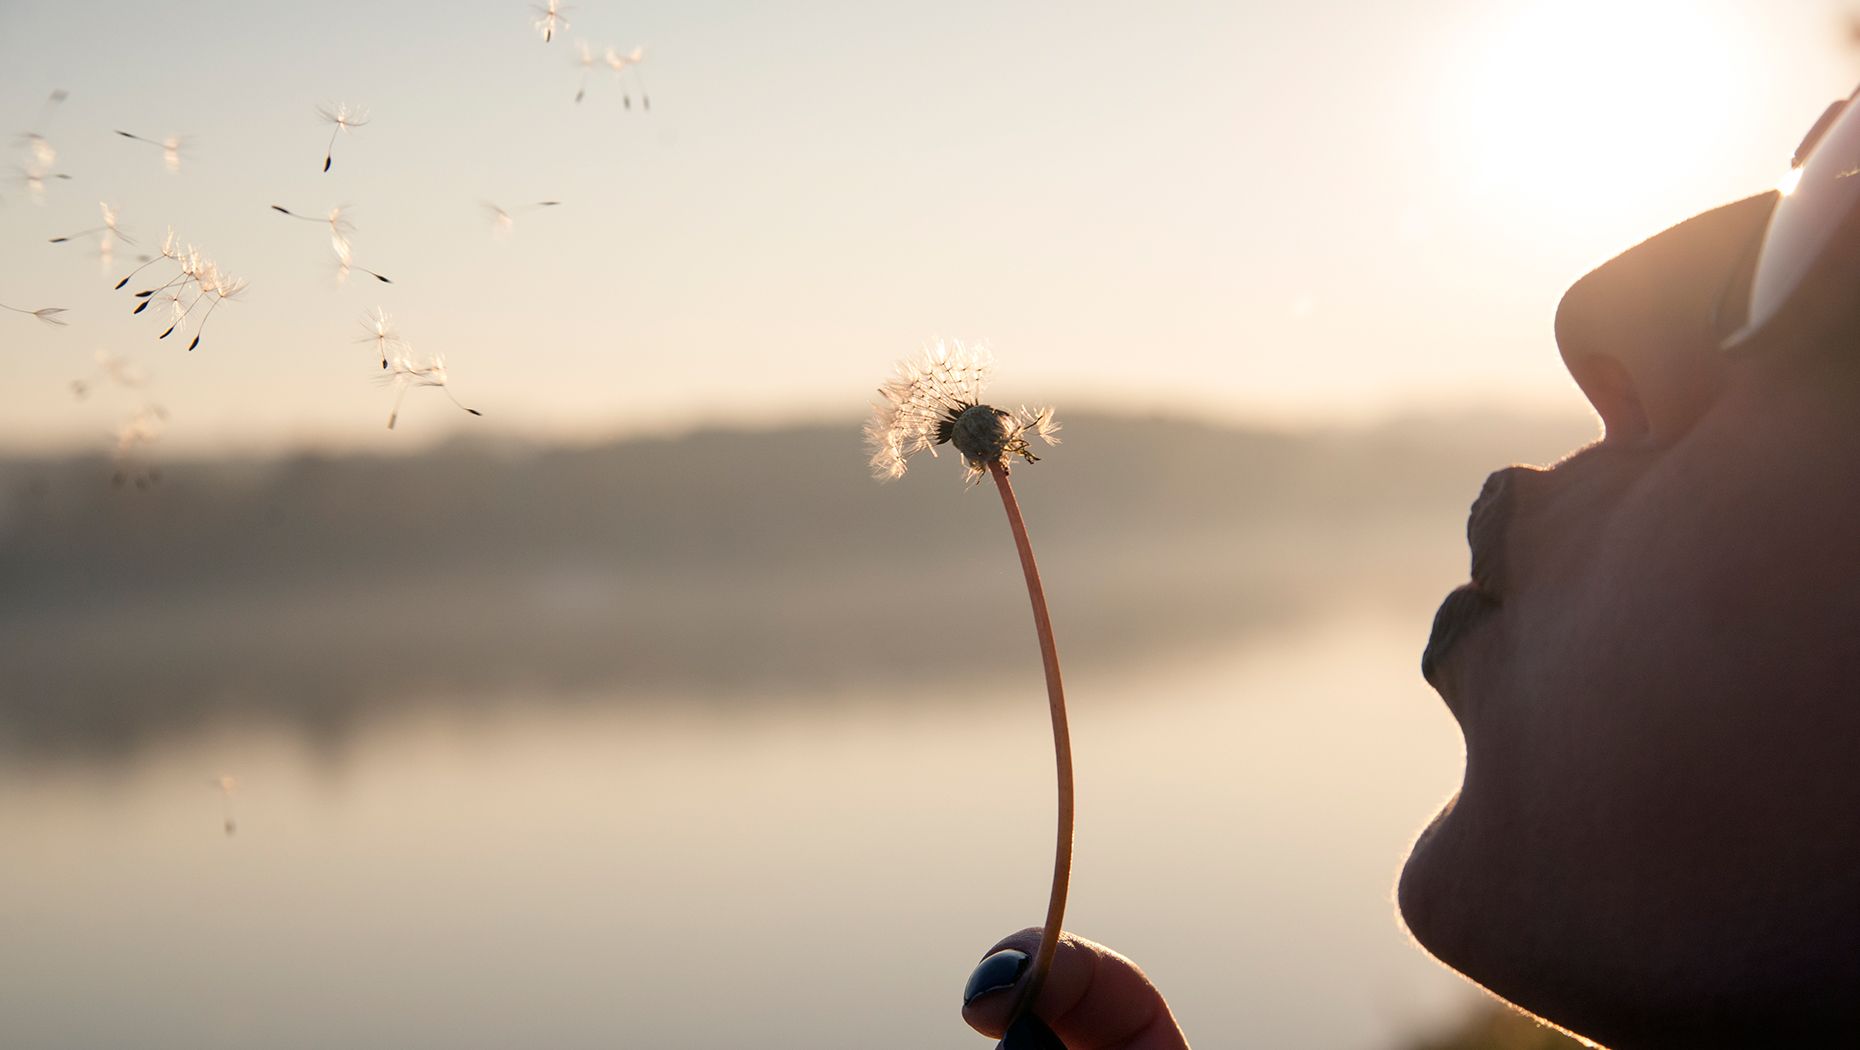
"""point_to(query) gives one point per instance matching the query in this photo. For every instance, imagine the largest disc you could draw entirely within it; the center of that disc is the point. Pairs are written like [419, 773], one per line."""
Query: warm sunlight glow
[1790, 180]
[1569, 106]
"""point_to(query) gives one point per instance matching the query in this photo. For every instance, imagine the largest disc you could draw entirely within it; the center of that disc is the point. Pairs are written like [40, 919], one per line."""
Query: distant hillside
[728, 565]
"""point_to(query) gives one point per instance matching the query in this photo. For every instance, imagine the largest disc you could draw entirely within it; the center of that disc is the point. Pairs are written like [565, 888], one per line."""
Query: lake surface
[662, 871]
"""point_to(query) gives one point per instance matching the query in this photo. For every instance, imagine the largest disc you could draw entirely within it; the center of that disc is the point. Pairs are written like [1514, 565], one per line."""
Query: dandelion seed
[936, 398]
[227, 785]
[551, 19]
[51, 104]
[107, 236]
[170, 146]
[620, 63]
[44, 154]
[33, 178]
[382, 333]
[220, 288]
[48, 314]
[133, 436]
[340, 228]
[195, 275]
[170, 251]
[344, 119]
[116, 370]
[584, 57]
[503, 221]
[108, 228]
[405, 373]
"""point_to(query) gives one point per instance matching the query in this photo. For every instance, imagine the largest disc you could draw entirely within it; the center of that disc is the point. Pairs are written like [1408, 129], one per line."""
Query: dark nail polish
[1029, 1033]
[994, 973]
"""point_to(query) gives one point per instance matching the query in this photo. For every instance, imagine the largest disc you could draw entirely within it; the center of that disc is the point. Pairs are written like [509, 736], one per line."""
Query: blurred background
[631, 712]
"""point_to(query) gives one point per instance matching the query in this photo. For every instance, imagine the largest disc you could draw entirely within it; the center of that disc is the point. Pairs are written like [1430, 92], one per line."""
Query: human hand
[1093, 998]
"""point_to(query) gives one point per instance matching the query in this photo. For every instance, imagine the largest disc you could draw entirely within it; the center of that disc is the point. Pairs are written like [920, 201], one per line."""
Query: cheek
[1663, 720]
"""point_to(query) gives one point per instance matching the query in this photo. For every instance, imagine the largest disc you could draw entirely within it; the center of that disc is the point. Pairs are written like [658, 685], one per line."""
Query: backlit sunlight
[1591, 107]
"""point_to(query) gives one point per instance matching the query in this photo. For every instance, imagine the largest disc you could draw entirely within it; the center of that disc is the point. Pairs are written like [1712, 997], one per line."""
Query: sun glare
[1584, 105]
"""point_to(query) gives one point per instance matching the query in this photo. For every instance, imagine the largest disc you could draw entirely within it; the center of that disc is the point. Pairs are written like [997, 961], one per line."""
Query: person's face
[1657, 839]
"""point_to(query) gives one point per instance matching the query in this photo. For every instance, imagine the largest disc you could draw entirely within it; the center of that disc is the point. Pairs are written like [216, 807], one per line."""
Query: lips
[1464, 607]
[1473, 602]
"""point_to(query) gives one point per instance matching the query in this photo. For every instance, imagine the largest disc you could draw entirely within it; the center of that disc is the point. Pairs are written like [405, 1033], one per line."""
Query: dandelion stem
[1062, 749]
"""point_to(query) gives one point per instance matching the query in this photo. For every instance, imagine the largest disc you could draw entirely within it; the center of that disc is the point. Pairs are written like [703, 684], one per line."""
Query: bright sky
[1297, 212]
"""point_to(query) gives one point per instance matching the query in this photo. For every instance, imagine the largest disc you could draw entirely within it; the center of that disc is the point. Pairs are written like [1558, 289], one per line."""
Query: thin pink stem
[1062, 750]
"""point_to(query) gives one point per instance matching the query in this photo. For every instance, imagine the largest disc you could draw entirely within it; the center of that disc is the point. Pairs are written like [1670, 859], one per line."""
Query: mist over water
[566, 747]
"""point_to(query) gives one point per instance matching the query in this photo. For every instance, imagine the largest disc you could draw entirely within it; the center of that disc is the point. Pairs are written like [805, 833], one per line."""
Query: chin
[1427, 891]
[1462, 903]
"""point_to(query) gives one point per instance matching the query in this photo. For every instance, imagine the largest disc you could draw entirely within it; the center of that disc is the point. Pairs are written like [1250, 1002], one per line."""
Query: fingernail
[994, 973]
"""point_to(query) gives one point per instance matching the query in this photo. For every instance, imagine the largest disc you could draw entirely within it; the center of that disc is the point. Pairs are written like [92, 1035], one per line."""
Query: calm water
[667, 874]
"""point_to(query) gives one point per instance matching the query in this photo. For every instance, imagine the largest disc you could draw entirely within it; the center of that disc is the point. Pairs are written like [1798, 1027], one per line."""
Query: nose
[1640, 333]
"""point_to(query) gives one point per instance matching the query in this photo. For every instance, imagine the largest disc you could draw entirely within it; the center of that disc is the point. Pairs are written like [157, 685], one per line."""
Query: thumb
[1093, 997]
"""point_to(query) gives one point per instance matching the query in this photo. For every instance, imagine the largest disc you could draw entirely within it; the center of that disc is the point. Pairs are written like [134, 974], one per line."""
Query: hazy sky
[1313, 211]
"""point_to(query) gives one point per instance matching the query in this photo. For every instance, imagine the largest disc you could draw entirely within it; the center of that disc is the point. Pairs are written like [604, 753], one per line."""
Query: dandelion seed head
[935, 399]
[981, 433]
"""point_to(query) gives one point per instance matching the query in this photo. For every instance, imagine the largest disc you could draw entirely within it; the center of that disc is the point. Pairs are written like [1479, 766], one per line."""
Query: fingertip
[1092, 996]
[986, 998]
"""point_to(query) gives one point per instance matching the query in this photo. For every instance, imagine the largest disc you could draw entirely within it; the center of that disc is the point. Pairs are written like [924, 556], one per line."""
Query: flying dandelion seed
[340, 228]
[197, 280]
[220, 287]
[34, 177]
[227, 785]
[44, 154]
[108, 228]
[934, 399]
[133, 436]
[620, 63]
[170, 251]
[382, 333]
[344, 119]
[584, 57]
[107, 236]
[48, 314]
[503, 221]
[116, 370]
[170, 147]
[50, 105]
[551, 19]
[404, 373]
